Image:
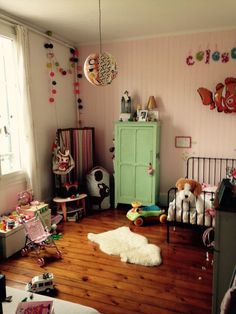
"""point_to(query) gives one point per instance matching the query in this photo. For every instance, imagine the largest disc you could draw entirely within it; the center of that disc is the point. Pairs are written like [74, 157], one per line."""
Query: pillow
[208, 188]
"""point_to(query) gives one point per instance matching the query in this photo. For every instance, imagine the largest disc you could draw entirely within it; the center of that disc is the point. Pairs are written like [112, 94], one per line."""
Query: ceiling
[77, 20]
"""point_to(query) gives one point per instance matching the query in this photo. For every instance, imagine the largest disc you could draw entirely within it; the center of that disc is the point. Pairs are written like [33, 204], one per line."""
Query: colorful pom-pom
[54, 91]
[54, 83]
[46, 45]
[63, 72]
[51, 99]
[49, 65]
[49, 33]
[76, 52]
[79, 75]
[80, 106]
[79, 100]
[50, 55]
[52, 74]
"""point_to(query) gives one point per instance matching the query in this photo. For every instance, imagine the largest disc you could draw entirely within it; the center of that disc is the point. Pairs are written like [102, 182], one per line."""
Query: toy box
[42, 208]
[12, 241]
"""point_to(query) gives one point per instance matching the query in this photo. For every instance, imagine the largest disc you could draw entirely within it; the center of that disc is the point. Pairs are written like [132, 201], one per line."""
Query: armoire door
[136, 147]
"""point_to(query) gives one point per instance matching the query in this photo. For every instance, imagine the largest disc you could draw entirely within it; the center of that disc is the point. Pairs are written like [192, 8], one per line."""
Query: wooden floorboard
[182, 284]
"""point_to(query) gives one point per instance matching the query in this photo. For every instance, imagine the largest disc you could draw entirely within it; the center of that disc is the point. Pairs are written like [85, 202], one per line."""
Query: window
[49, 283]
[10, 160]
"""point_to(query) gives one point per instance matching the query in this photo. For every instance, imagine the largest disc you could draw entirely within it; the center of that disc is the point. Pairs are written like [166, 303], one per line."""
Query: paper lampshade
[100, 68]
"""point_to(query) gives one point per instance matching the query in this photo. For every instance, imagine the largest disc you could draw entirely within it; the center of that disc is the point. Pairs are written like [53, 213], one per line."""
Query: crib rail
[185, 217]
[204, 170]
[209, 170]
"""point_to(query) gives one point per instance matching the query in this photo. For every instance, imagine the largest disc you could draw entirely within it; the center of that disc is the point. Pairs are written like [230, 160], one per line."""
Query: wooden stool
[61, 204]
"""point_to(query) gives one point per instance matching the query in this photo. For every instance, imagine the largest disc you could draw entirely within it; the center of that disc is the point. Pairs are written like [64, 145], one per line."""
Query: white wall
[47, 117]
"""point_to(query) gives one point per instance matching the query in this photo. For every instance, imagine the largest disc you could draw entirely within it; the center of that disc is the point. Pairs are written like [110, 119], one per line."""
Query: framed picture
[153, 115]
[143, 115]
[183, 141]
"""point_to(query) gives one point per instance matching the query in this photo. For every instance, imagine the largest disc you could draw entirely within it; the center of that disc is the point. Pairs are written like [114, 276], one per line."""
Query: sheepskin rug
[131, 247]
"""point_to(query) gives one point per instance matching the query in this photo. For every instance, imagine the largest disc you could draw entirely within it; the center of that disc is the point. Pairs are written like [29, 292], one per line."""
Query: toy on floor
[41, 283]
[38, 238]
[139, 214]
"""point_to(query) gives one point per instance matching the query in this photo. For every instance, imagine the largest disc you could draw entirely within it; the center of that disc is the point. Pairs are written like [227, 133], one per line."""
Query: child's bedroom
[118, 157]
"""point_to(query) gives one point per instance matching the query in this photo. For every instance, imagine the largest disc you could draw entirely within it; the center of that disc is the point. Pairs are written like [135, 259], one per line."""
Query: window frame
[18, 176]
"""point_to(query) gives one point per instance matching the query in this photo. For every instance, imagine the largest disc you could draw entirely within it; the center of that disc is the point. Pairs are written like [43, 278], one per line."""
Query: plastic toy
[41, 283]
[139, 214]
[38, 238]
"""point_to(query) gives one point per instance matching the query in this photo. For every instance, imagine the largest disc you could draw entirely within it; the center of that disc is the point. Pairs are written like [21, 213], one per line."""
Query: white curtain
[27, 145]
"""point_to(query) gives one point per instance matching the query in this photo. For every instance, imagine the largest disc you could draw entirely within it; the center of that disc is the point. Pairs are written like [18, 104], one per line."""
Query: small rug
[131, 247]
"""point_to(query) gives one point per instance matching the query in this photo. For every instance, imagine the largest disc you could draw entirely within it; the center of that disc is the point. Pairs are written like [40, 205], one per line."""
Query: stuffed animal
[186, 198]
[188, 185]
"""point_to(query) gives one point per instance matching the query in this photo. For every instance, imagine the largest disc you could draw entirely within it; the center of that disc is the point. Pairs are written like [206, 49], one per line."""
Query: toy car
[139, 214]
[41, 283]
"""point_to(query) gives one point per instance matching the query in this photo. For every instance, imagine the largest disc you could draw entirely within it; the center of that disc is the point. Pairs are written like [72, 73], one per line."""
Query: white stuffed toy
[186, 198]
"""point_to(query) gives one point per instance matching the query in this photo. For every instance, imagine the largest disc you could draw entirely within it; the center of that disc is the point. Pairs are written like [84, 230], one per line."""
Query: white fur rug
[131, 247]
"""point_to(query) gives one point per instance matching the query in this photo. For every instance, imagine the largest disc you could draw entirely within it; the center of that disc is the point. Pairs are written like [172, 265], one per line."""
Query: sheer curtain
[27, 145]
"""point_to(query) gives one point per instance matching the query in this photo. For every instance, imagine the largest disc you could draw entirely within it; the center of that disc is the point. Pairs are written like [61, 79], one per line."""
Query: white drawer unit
[12, 241]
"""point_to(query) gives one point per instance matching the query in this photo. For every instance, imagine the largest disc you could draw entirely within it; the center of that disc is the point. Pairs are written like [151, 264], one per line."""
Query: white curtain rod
[10, 21]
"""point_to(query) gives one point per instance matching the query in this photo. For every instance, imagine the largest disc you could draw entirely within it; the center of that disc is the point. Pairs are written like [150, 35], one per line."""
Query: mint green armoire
[137, 144]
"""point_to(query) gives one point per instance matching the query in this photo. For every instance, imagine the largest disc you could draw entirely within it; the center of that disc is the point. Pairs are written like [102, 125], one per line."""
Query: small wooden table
[61, 203]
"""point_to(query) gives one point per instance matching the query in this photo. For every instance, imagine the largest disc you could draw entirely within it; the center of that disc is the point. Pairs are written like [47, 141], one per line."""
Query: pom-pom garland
[54, 67]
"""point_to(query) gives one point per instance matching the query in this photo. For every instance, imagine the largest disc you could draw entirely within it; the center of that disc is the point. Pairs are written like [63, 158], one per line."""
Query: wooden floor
[85, 275]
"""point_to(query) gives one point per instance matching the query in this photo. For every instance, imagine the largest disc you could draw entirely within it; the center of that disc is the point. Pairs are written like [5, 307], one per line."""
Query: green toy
[139, 214]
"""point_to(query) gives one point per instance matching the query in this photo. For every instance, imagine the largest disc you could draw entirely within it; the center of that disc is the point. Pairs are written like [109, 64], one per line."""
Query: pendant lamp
[100, 68]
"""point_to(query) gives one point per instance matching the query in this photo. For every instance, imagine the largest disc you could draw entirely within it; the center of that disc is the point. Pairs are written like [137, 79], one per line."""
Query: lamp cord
[100, 27]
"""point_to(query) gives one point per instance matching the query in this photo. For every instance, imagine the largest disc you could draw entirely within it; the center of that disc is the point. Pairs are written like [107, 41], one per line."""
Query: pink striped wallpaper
[157, 66]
